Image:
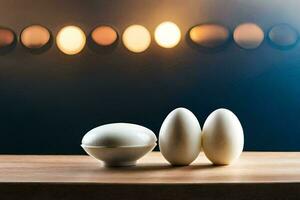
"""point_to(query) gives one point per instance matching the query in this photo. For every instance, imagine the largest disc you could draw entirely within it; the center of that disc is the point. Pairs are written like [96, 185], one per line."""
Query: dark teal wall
[49, 101]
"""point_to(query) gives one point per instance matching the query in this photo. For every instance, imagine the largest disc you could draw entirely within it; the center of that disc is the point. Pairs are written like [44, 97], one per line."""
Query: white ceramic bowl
[118, 156]
[119, 144]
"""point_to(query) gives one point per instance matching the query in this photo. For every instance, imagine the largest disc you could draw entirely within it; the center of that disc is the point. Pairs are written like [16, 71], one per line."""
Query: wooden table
[256, 175]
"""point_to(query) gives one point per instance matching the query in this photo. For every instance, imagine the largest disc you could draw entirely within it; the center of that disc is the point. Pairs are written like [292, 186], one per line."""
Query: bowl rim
[114, 147]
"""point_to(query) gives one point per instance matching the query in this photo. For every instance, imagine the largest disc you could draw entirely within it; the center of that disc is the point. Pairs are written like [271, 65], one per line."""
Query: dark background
[49, 101]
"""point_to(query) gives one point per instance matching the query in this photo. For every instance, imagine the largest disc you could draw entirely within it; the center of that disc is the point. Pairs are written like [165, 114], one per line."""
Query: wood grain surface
[252, 167]
[256, 175]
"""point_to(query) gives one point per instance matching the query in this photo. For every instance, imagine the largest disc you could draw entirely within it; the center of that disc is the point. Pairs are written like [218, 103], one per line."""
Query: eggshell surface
[180, 137]
[222, 137]
[119, 135]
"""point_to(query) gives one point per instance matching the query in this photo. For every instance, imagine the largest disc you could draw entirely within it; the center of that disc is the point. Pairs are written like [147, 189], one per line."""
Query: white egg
[222, 137]
[180, 137]
[119, 135]
[119, 144]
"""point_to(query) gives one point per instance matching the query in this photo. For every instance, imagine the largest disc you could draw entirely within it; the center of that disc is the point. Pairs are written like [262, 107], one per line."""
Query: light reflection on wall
[71, 40]
[167, 34]
[104, 35]
[35, 36]
[136, 38]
